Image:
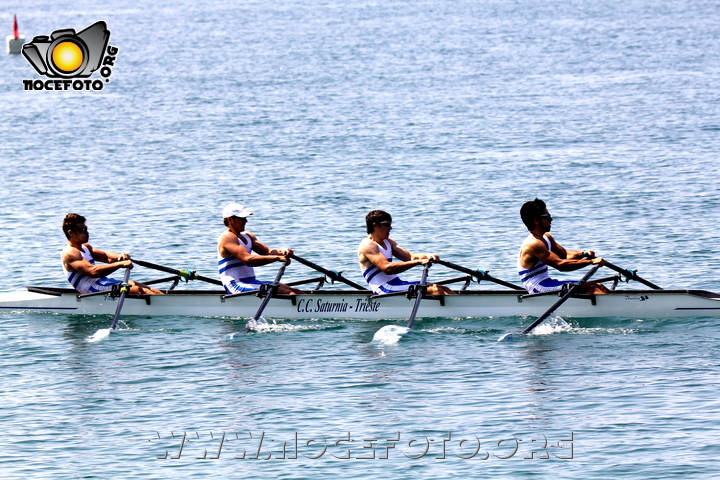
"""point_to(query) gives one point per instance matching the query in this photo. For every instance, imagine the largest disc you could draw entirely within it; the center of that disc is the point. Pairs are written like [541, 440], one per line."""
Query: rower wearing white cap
[235, 254]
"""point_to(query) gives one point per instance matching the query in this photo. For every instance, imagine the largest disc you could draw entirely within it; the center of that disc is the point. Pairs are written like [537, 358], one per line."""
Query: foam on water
[263, 326]
[289, 327]
[557, 324]
[551, 326]
[449, 330]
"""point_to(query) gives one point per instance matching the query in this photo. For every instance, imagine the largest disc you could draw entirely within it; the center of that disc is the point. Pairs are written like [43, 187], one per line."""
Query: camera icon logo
[67, 54]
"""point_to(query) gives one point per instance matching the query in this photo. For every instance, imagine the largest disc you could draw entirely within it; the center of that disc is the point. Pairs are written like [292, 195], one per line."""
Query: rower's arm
[539, 250]
[262, 249]
[276, 251]
[107, 257]
[229, 244]
[579, 254]
[405, 255]
[565, 253]
[79, 264]
[372, 253]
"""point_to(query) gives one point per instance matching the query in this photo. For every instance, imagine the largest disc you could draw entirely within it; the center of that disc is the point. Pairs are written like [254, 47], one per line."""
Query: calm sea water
[447, 114]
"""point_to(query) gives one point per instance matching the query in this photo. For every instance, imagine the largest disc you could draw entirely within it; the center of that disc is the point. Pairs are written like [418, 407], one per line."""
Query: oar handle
[279, 274]
[180, 273]
[562, 300]
[420, 292]
[423, 277]
[334, 276]
[124, 288]
[631, 275]
[479, 274]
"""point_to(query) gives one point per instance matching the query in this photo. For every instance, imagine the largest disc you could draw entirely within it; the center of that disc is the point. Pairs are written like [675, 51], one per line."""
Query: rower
[79, 257]
[375, 256]
[235, 257]
[540, 250]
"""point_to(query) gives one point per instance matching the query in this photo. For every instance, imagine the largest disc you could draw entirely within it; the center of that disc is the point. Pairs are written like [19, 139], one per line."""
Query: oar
[568, 294]
[124, 289]
[272, 290]
[180, 273]
[332, 275]
[631, 275]
[420, 291]
[392, 333]
[479, 274]
[105, 332]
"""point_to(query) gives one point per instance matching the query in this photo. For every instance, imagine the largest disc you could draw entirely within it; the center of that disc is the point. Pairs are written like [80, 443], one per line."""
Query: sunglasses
[80, 230]
[546, 215]
[385, 224]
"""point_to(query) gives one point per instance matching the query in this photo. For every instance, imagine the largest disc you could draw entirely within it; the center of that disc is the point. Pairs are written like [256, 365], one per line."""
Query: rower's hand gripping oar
[271, 292]
[186, 274]
[478, 274]
[571, 291]
[124, 289]
[332, 275]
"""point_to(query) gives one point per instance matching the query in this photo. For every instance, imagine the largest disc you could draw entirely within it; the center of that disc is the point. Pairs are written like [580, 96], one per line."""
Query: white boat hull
[363, 305]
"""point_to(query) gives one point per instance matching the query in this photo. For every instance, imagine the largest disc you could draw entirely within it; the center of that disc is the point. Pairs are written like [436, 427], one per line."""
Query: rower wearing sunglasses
[375, 256]
[79, 261]
[540, 250]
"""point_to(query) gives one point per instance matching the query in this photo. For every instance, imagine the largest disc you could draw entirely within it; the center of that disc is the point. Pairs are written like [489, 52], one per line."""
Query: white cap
[235, 210]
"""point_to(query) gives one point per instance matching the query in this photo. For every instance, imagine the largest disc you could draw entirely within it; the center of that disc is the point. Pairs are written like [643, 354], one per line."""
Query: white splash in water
[390, 334]
[101, 334]
[263, 326]
[552, 325]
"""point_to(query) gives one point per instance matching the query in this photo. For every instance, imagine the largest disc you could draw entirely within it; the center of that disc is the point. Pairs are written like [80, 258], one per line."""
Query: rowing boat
[358, 304]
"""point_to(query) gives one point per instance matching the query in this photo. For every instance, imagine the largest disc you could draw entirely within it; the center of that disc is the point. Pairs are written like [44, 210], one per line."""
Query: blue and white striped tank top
[373, 275]
[532, 277]
[84, 284]
[230, 268]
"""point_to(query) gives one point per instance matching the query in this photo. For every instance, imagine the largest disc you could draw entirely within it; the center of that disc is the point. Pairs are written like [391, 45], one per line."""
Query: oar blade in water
[101, 334]
[393, 333]
[105, 332]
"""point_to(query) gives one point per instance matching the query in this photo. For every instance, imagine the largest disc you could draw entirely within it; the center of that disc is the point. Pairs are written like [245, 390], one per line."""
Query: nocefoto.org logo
[69, 58]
